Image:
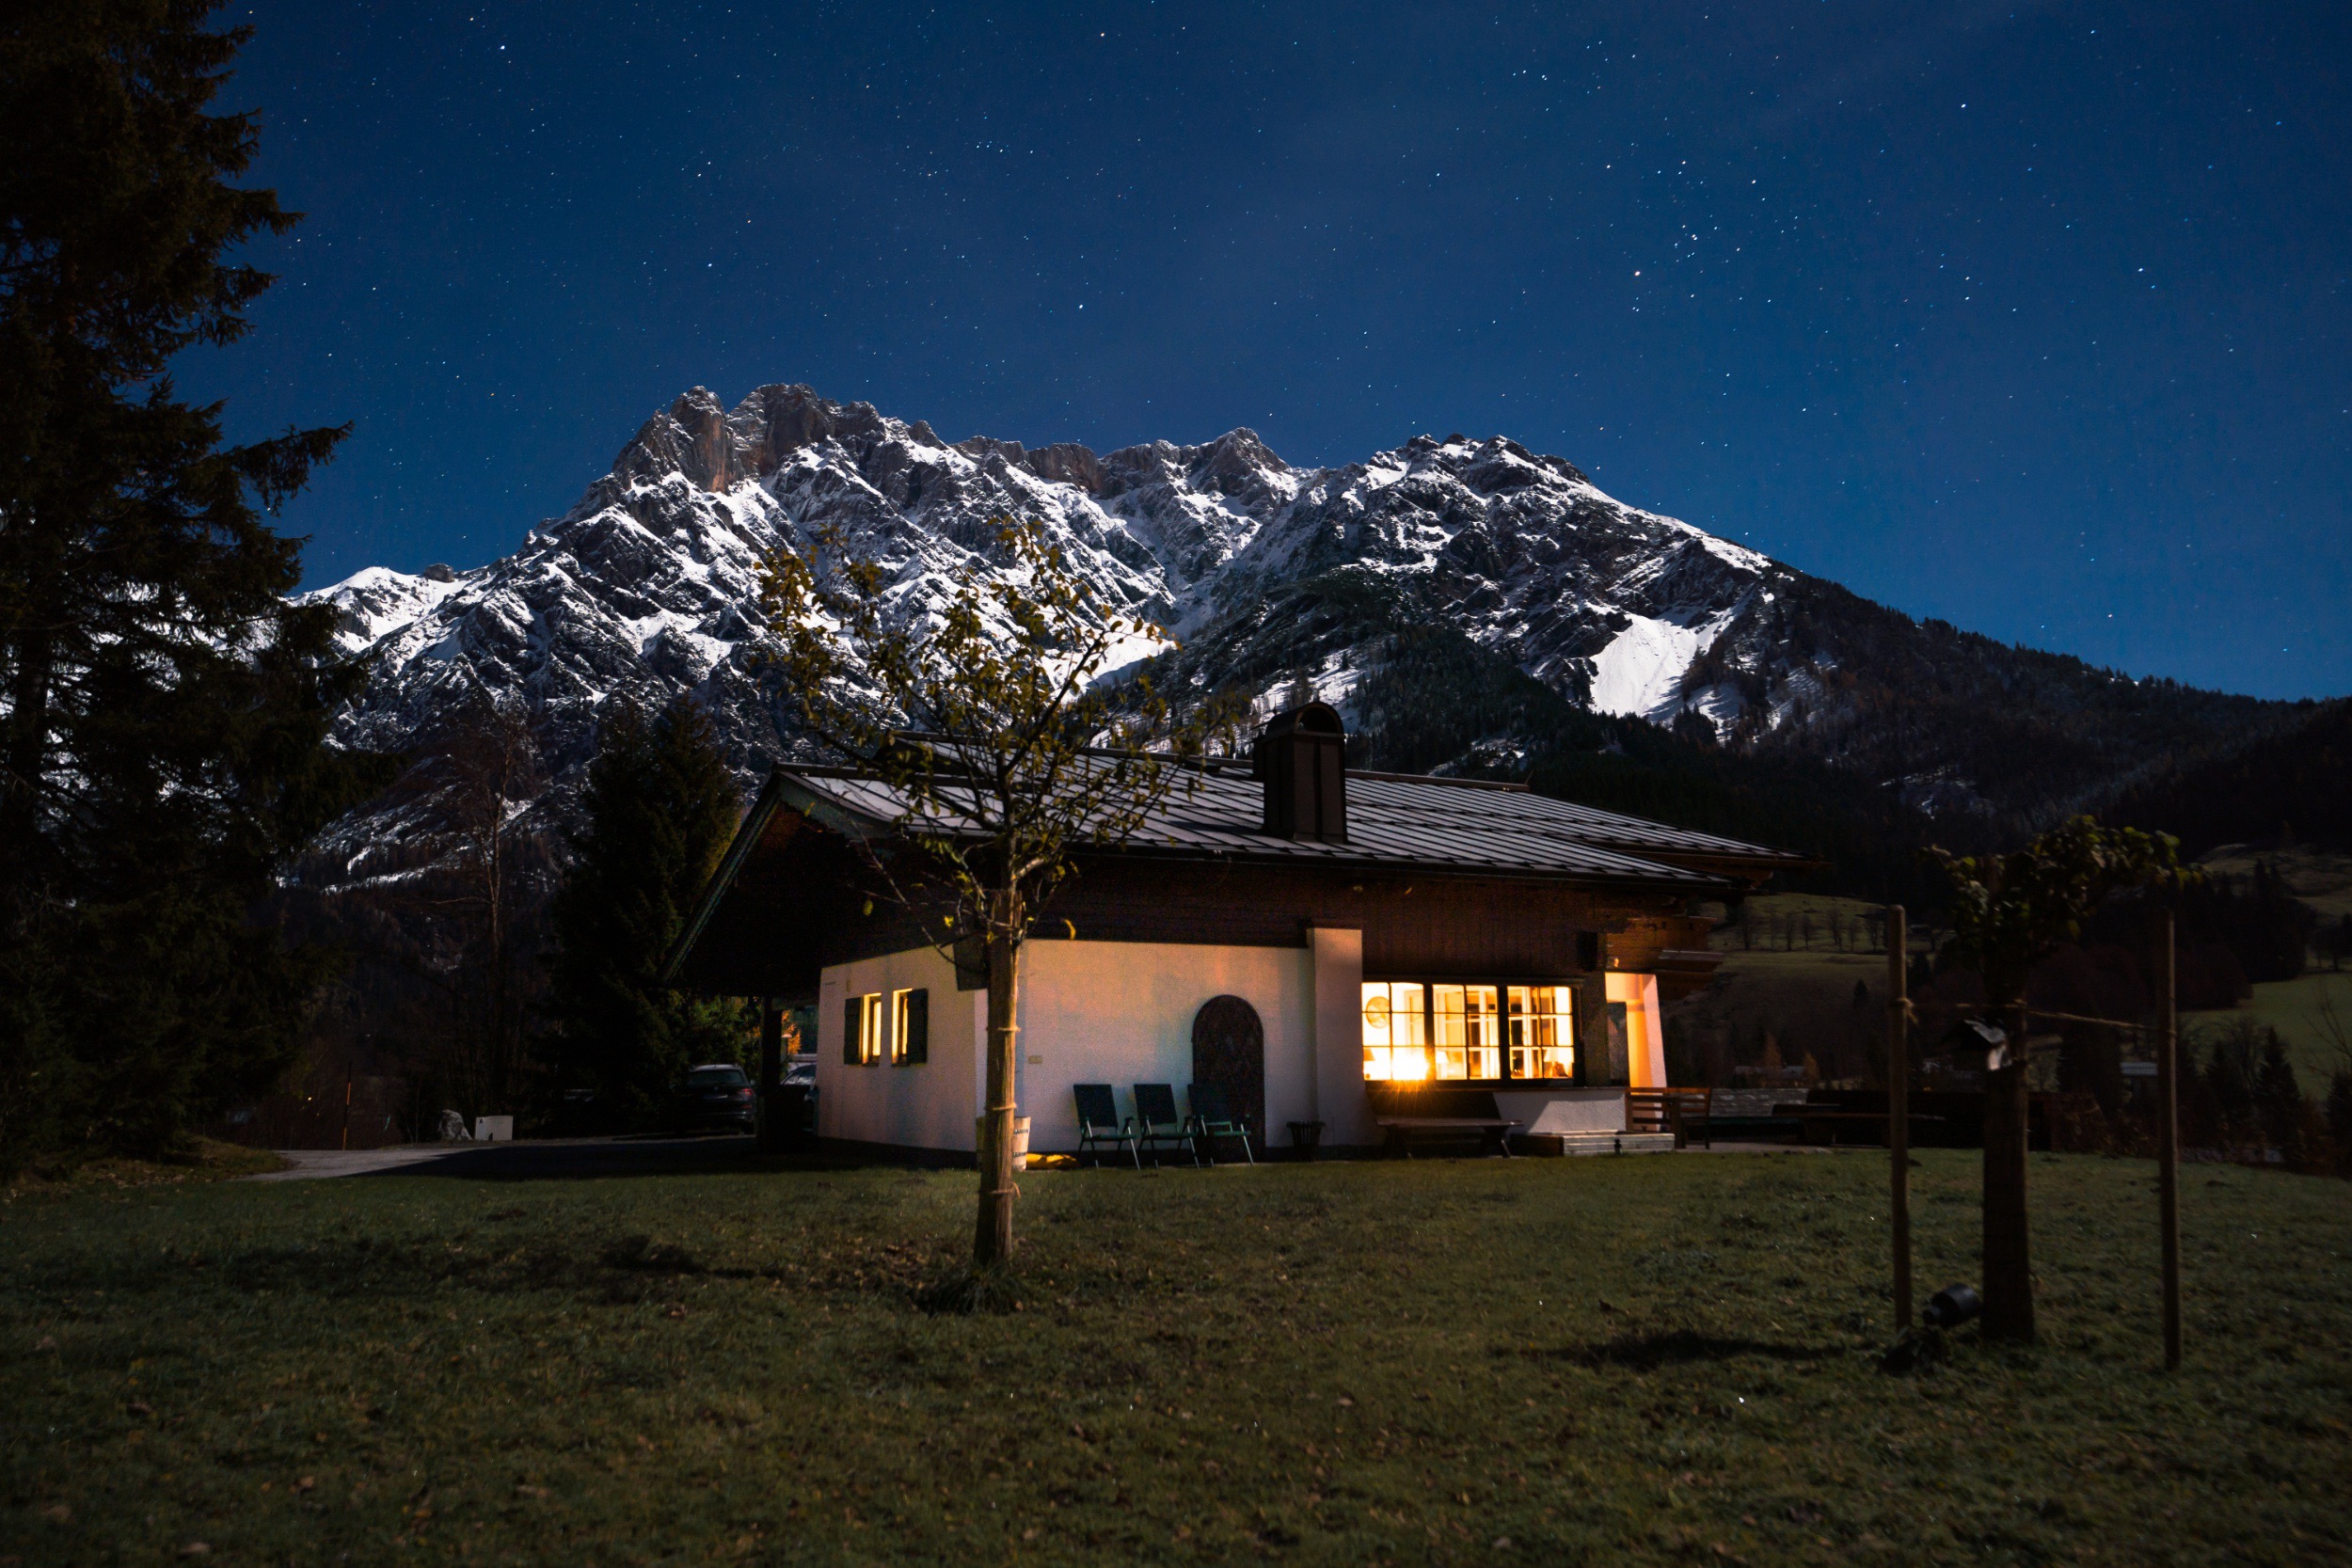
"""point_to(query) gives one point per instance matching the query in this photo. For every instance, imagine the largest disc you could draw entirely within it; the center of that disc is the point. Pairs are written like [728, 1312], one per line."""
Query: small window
[911, 1026]
[1469, 1042]
[1542, 1032]
[1396, 1030]
[861, 1029]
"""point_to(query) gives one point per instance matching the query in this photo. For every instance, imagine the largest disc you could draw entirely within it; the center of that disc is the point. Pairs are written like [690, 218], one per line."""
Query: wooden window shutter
[853, 1024]
[915, 1044]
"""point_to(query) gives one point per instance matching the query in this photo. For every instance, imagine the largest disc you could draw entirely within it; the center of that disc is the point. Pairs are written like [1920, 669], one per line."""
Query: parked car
[716, 1095]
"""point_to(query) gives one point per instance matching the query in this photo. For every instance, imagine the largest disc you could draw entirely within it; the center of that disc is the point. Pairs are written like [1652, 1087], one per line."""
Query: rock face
[650, 584]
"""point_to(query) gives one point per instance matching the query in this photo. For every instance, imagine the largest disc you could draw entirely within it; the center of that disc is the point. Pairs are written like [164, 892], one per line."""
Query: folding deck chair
[1157, 1123]
[1213, 1118]
[1099, 1122]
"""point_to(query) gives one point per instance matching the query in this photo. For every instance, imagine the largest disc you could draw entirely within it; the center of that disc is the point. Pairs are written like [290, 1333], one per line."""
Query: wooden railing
[1685, 1113]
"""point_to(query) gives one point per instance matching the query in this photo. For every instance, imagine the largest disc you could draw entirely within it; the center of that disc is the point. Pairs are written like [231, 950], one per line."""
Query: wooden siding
[802, 903]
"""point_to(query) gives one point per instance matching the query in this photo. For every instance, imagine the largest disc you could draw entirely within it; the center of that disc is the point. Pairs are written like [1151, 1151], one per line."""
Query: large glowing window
[1468, 1038]
[1543, 1031]
[1396, 1030]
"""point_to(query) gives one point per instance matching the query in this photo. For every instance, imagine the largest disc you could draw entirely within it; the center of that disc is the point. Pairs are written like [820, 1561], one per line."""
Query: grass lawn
[1652, 1359]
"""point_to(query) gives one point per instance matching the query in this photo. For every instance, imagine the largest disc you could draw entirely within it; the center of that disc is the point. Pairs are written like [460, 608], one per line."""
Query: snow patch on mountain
[1641, 671]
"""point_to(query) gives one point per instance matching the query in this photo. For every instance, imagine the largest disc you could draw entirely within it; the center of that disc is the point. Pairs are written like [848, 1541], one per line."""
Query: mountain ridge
[1275, 579]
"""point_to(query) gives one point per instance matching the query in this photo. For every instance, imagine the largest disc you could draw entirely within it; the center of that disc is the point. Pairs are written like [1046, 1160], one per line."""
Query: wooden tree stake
[1899, 1103]
[2169, 1136]
[2008, 1260]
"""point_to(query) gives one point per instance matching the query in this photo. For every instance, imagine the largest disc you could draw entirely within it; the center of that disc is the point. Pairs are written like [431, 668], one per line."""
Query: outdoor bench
[1401, 1134]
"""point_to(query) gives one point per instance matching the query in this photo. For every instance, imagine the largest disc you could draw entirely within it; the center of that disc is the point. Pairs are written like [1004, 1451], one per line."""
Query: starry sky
[2030, 317]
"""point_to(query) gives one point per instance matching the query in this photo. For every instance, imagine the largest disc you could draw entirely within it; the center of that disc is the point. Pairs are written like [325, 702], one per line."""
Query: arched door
[1229, 1049]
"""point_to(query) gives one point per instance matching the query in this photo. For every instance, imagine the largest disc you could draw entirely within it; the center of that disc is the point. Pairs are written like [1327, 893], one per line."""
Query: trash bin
[1306, 1137]
[795, 1117]
[1020, 1139]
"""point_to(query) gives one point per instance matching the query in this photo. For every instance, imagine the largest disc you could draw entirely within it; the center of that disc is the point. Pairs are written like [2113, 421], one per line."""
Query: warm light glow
[1469, 1042]
[1644, 1046]
[1542, 1023]
[1396, 1032]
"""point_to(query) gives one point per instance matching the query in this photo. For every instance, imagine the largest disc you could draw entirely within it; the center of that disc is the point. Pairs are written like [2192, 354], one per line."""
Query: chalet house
[1328, 946]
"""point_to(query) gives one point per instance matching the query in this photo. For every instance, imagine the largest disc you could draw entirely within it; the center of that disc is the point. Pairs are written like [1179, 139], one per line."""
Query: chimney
[1299, 758]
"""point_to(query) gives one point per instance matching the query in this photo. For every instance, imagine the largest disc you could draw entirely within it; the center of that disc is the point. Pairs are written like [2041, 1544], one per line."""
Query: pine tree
[162, 709]
[2340, 1121]
[660, 809]
[2278, 1095]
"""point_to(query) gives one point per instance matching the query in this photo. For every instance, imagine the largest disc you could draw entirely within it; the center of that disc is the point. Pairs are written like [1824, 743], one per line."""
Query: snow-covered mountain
[650, 583]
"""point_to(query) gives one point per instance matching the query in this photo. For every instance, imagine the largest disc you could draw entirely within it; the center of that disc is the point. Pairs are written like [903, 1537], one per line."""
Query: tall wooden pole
[1899, 1102]
[770, 1120]
[2008, 1261]
[2169, 1136]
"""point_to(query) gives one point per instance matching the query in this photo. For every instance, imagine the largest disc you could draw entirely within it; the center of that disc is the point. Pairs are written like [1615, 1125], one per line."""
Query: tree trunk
[991, 1236]
[2008, 1266]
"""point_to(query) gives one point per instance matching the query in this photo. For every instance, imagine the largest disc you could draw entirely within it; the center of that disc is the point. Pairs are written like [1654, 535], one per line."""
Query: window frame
[909, 1046]
[1501, 984]
[862, 1021]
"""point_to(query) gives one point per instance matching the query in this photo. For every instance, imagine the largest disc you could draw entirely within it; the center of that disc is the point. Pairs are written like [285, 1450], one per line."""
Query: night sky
[2032, 318]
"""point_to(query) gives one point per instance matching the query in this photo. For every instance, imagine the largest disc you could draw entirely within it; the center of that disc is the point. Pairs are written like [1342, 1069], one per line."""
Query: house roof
[1417, 826]
[1422, 825]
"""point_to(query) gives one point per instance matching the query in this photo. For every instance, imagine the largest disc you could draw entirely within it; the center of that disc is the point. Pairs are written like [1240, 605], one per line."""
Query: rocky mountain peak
[649, 584]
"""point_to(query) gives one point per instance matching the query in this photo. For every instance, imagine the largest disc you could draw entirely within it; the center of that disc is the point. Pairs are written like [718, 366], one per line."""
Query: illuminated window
[1396, 1030]
[910, 1027]
[1543, 1035]
[861, 1029]
[1468, 1040]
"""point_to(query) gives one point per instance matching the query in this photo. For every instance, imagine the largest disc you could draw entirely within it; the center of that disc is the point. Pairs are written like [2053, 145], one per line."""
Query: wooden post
[2007, 1262]
[1899, 1103]
[2169, 1136]
[773, 1132]
[346, 1111]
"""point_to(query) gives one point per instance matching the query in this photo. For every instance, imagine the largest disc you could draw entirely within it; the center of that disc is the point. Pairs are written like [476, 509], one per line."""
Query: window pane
[1396, 1035]
[1540, 1025]
[1482, 1041]
[1453, 1057]
[1408, 1031]
[1376, 1032]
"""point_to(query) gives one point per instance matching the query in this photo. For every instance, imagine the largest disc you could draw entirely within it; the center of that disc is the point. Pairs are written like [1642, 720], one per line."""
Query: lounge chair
[1213, 1118]
[1157, 1123]
[1099, 1122]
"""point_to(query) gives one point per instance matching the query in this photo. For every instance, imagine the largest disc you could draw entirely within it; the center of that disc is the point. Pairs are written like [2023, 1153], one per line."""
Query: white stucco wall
[1564, 1110]
[1092, 1013]
[1120, 1013]
[1341, 1104]
[928, 1104]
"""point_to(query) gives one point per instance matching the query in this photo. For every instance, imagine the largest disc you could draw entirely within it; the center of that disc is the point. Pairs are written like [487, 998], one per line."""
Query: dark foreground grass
[1662, 1359]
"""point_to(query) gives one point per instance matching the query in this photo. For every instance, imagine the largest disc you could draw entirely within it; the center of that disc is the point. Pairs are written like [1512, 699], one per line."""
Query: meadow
[1666, 1358]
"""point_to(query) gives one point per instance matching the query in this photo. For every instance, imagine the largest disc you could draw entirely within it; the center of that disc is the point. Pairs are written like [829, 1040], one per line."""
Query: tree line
[164, 711]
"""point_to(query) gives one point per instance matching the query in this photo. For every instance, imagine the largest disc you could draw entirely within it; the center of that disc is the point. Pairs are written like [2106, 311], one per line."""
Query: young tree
[980, 711]
[659, 808]
[162, 709]
[2010, 912]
